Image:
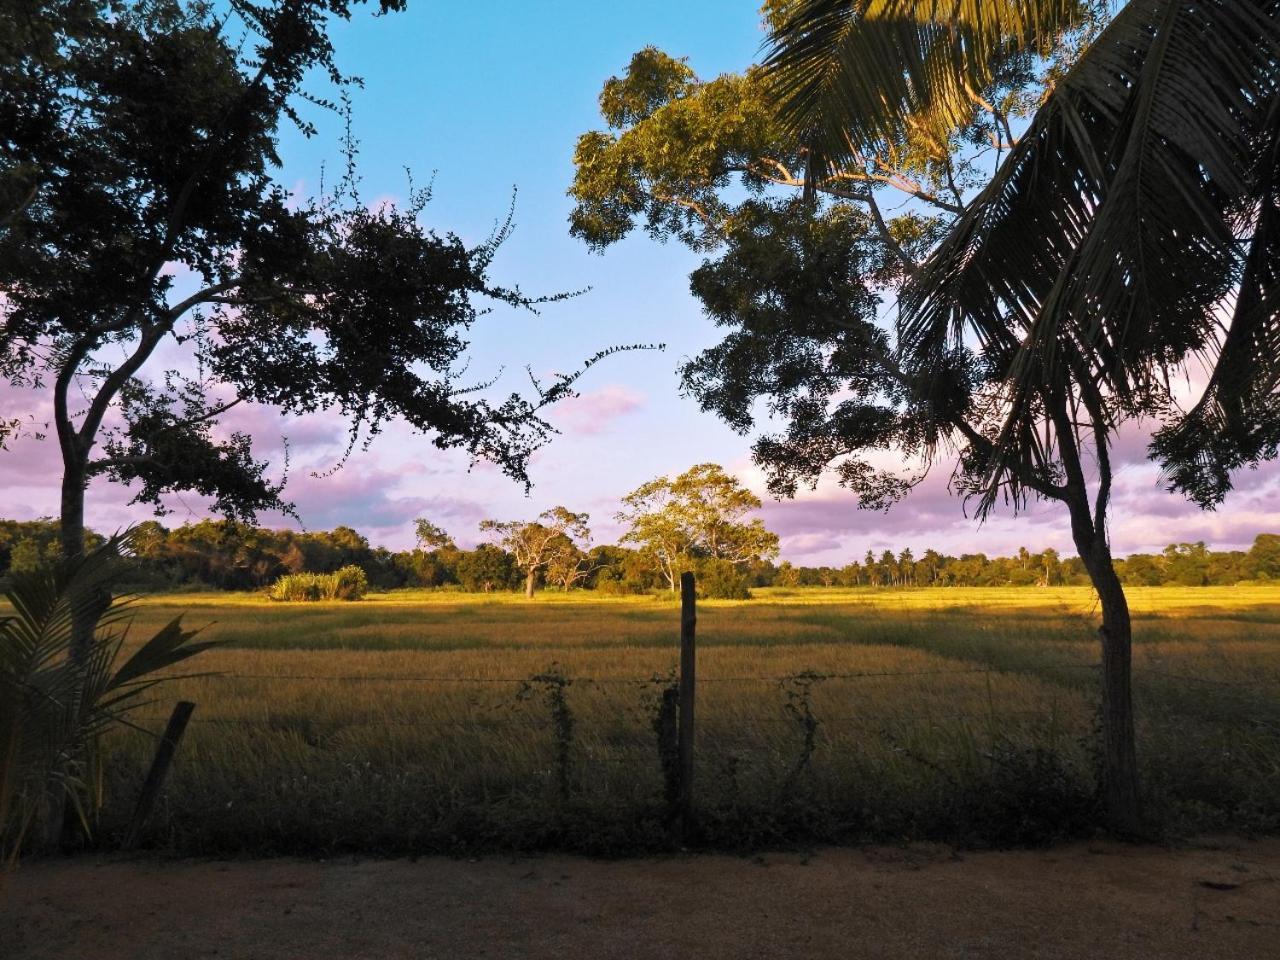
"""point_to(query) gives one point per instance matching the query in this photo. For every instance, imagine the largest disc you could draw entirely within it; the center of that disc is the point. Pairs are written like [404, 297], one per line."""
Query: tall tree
[139, 208]
[428, 536]
[799, 279]
[536, 544]
[570, 562]
[700, 513]
[1130, 237]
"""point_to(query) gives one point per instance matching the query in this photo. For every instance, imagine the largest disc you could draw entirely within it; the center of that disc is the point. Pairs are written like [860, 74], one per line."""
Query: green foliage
[1096, 264]
[674, 142]
[653, 79]
[226, 555]
[347, 583]
[721, 580]
[547, 546]
[486, 568]
[797, 280]
[829, 66]
[54, 708]
[26, 545]
[429, 536]
[700, 514]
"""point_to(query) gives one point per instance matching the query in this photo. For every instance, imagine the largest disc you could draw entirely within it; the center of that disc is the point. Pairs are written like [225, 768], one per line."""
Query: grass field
[418, 721]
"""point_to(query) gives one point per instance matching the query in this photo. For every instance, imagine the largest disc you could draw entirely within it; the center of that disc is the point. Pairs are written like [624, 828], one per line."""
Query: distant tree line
[227, 555]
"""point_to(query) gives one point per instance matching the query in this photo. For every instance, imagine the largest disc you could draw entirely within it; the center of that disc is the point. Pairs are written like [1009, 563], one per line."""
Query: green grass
[407, 722]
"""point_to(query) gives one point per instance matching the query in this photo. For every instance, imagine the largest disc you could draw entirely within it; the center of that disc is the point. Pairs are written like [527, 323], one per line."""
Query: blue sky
[492, 98]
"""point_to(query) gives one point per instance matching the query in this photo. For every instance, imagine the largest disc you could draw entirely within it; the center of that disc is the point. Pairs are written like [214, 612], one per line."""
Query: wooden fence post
[688, 679]
[159, 770]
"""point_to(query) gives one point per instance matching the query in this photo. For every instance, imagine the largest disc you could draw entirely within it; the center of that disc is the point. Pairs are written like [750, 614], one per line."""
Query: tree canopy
[557, 535]
[700, 514]
[1128, 239]
[140, 206]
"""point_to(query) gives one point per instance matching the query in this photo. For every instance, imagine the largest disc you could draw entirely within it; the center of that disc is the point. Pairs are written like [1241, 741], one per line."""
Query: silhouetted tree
[138, 207]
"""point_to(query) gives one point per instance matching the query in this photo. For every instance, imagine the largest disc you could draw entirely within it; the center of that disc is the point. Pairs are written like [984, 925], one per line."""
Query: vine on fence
[554, 686]
[665, 728]
[798, 689]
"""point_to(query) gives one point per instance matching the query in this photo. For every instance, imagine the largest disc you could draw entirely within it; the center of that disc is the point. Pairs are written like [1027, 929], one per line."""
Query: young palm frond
[53, 707]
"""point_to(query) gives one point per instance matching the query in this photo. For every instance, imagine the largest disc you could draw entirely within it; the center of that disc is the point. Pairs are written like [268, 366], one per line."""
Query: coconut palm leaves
[53, 708]
[1132, 230]
[849, 73]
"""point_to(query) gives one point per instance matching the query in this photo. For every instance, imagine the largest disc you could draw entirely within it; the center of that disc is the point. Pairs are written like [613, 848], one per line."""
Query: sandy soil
[1218, 899]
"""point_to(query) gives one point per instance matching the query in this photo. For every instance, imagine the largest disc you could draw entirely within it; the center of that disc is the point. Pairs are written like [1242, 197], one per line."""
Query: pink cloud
[808, 544]
[596, 411]
[372, 498]
[826, 526]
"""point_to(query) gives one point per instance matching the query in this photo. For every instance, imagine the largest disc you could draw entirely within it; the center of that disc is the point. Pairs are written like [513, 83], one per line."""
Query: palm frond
[1236, 422]
[1102, 252]
[57, 699]
[852, 73]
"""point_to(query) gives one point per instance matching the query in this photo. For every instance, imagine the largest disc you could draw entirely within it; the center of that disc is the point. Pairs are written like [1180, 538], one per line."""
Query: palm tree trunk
[1120, 788]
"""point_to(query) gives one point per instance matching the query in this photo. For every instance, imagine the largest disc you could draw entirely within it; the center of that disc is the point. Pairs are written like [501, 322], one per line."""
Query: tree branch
[693, 205]
[886, 236]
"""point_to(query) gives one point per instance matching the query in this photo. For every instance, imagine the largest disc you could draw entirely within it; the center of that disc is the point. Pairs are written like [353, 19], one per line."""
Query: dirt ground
[1212, 899]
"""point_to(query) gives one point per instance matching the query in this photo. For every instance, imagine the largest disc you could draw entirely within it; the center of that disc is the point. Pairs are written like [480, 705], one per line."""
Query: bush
[348, 583]
[55, 707]
[722, 580]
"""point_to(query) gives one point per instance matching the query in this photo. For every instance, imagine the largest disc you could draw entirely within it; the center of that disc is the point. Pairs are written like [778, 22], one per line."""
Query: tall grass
[423, 721]
[346, 583]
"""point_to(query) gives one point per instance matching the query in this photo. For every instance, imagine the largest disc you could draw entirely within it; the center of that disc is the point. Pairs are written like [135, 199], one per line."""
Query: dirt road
[1211, 900]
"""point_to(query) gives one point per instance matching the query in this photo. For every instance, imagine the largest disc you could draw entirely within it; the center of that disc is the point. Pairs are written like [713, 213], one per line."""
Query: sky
[489, 99]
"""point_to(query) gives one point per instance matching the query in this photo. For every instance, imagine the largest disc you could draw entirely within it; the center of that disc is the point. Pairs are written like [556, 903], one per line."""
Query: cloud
[807, 544]
[826, 526]
[596, 411]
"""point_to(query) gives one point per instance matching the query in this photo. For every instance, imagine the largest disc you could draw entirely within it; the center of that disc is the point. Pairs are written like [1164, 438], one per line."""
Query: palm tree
[1129, 241]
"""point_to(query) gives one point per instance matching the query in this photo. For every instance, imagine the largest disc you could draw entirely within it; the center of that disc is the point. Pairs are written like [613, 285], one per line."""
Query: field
[420, 721]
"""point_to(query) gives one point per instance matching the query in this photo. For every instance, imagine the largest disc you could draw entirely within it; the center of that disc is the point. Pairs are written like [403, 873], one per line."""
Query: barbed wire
[1140, 673]
[634, 681]
[295, 723]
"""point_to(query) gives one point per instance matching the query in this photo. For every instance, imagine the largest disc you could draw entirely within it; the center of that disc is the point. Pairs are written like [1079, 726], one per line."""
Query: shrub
[294, 587]
[722, 580]
[55, 707]
[348, 583]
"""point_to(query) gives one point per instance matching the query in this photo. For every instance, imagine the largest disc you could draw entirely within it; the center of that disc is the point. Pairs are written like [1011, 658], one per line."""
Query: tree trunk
[529, 581]
[71, 534]
[71, 538]
[1121, 794]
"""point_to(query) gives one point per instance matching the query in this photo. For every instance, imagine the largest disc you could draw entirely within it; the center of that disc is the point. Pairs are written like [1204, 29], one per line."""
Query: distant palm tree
[1128, 243]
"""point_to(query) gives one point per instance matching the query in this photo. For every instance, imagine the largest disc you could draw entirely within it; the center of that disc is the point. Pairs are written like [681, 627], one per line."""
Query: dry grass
[409, 720]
